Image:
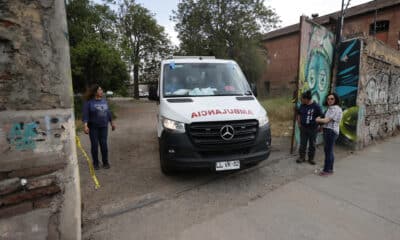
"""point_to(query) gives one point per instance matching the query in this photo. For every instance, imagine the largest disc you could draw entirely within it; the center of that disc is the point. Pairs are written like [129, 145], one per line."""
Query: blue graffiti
[347, 88]
[347, 70]
[348, 76]
[22, 136]
[348, 49]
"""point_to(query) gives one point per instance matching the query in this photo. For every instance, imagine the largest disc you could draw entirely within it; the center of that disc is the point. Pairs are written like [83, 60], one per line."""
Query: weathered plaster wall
[32, 66]
[39, 180]
[379, 92]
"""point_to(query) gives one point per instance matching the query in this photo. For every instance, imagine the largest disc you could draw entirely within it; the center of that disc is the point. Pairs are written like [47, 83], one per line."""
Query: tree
[144, 42]
[225, 29]
[94, 61]
[95, 56]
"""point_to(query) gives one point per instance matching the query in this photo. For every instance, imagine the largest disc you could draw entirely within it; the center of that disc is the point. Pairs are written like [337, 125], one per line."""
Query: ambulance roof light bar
[191, 57]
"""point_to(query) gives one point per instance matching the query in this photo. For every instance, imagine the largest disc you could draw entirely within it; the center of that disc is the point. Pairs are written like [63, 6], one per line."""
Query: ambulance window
[203, 79]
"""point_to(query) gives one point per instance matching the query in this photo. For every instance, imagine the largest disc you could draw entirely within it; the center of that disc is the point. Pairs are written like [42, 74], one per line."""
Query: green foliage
[95, 57]
[78, 104]
[225, 29]
[279, 109]
[144, 42]
[280, 113]
[94, 61]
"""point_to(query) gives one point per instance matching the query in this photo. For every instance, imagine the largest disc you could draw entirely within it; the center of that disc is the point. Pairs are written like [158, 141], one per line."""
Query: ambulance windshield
[204, 79]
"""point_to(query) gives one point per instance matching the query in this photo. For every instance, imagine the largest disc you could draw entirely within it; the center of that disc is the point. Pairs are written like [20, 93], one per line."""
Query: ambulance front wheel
[165, 167]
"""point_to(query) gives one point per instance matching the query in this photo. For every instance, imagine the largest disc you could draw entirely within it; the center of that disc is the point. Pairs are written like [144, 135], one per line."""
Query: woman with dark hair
[96, 116]
[330, 126]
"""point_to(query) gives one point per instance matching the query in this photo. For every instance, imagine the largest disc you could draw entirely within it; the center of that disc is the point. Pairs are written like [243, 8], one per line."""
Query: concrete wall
[378, 93]
[39, 180]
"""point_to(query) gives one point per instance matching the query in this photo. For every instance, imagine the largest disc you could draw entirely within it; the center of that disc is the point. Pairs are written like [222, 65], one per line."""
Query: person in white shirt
[330, 122]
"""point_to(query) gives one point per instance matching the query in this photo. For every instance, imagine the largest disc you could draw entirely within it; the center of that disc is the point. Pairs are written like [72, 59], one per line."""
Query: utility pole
[375, 16]
[338, 40]
[339, 33]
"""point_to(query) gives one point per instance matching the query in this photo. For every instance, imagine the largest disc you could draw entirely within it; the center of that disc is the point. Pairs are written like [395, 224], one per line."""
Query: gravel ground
[134, 184]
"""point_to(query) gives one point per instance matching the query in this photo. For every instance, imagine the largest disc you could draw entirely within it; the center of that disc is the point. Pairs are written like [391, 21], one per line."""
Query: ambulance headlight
[262, 121]
[173, 125]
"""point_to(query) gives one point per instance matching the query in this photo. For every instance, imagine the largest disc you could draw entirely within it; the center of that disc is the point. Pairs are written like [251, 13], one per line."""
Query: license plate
[227, 165]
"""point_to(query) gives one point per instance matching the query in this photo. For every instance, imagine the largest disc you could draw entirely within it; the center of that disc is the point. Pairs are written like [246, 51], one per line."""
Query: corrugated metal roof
[351, 12]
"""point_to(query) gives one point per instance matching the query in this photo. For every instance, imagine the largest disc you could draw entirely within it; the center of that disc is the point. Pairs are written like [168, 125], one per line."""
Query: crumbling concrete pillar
[39, 180]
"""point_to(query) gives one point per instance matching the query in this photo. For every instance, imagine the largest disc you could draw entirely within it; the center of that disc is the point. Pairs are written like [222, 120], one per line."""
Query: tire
[166, 169]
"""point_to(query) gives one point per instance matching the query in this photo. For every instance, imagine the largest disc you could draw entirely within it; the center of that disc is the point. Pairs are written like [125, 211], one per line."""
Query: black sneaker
[311, 161]
[300, 160]
[96, 167]
[106, 166]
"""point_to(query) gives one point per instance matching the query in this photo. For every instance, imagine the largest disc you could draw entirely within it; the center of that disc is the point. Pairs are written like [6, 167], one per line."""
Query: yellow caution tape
[91, 169]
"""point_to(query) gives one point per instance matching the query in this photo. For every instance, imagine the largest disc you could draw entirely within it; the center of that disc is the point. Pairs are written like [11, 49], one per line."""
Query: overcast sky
[289, 11]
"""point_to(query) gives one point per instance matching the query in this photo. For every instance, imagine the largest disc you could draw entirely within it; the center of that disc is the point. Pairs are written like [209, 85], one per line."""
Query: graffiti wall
[347, 80]
[379, 93]
[315, 63]
[33, 133]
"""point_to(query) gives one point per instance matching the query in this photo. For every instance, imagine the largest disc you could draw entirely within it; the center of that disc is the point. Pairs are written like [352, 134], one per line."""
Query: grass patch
[280, 113]
[78, 105]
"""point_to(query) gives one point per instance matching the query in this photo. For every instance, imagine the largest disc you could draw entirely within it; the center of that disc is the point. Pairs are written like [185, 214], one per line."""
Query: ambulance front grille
[209, 134]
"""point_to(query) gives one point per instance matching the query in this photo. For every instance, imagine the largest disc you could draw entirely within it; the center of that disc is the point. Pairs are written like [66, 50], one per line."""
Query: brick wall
[39, 181]
[282, 63]
[359, 25]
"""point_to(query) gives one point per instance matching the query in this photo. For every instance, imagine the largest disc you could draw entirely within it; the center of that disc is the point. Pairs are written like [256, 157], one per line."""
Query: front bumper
[180, 153]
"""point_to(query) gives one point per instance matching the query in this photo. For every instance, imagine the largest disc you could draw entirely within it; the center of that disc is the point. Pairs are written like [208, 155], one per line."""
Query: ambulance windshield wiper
[228, 94]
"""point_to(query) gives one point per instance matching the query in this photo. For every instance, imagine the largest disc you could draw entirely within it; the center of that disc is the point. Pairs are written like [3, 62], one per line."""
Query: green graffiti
[22, 136]
[348, 125]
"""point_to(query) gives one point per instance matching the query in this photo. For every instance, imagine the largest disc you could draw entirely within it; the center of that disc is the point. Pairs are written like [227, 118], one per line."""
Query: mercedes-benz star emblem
[227, 132]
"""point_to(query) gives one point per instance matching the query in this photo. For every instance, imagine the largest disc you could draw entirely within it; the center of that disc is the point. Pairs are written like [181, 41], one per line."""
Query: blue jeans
[329, 140]
[99, 135]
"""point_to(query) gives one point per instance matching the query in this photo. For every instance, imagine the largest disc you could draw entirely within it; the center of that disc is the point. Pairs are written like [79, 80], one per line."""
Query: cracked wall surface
[379, 92]
[39, 180]
[32, 70]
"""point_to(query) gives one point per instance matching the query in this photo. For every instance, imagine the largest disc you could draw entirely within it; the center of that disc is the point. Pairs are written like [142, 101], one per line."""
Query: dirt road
[135, 181]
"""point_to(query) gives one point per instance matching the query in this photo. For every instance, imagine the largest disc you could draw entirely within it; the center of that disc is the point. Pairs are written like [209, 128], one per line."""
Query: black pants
[307, 135]
[99, 135]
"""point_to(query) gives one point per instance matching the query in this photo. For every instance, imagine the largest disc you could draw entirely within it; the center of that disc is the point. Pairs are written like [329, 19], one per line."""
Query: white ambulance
[208, 116]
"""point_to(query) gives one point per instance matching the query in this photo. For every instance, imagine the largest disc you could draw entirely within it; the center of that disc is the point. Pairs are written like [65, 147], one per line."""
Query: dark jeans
[329, 140]
[99, 135]
[307, 135]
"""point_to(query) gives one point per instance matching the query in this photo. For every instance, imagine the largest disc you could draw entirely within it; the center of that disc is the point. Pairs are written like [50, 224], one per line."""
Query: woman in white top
[330, 122]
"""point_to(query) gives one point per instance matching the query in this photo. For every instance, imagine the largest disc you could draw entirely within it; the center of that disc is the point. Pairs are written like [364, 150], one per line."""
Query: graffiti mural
[347, 79]
[316, 53]
[41, 134]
